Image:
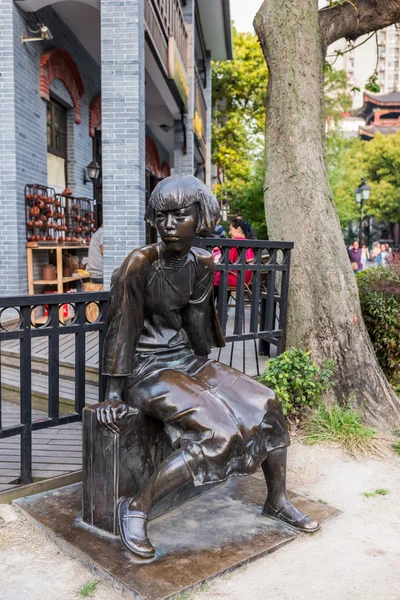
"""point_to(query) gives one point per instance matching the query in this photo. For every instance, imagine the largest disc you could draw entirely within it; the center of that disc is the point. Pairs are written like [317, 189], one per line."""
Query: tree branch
[358, 17]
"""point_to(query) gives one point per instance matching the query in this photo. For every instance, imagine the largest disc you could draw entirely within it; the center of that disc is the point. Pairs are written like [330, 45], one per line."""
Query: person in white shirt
[95, 265]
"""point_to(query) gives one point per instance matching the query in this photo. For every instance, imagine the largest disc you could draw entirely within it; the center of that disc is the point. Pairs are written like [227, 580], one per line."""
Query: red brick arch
[165, 169]
[59, 64]
[95, 115]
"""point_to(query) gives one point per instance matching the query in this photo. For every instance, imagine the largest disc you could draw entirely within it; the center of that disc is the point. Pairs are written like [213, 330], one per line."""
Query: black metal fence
[252, 284]
[253, 275]
[29, 325]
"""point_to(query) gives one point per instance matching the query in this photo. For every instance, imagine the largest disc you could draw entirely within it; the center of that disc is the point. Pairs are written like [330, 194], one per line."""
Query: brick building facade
[142, 96]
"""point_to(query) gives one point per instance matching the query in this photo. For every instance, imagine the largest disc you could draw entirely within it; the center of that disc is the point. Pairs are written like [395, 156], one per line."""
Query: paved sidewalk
[356, 555]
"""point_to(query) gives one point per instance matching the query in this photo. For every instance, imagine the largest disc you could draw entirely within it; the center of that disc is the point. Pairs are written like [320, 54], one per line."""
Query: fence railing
[255, 274]
[164, 19]
[27, 326]
[251, 289]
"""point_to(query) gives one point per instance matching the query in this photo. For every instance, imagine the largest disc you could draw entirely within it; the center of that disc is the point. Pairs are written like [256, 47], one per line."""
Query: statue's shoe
[292, 517]
[133, 529]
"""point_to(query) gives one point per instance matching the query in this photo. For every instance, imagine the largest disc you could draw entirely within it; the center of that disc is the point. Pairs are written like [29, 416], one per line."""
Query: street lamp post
[362, 194]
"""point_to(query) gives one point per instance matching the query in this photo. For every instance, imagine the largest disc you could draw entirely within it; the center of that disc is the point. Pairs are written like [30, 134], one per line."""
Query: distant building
[360, 63]
[381, 113]
[389, 51]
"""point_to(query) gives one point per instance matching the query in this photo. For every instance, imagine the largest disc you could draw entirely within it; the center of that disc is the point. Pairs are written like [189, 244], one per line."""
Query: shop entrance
[151, 182]
[98, 185]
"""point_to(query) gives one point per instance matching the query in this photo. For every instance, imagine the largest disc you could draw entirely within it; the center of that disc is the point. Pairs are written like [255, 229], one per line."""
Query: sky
[243, 13]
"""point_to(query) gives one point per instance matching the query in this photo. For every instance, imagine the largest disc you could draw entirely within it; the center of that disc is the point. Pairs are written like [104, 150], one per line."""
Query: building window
[56, 144]
[56, 129]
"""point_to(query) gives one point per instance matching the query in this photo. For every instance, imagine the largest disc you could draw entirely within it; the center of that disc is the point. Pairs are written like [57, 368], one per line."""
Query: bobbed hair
[175, 192]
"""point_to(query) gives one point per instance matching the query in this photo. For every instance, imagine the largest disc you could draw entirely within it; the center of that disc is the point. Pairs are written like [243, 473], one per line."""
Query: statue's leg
[133, 512]
[278, 506]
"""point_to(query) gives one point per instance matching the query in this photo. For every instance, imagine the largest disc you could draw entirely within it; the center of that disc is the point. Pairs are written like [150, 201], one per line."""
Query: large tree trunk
[324, 309]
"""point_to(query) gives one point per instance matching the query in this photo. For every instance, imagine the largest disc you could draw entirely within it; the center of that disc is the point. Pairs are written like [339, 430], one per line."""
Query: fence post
[26, 396]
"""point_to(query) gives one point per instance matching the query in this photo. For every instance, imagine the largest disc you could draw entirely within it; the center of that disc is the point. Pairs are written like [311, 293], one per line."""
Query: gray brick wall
[23, 127]
[123, 129]
[10, 261]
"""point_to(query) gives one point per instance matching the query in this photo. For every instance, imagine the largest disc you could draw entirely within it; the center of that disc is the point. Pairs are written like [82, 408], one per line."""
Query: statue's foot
[292, 517]
[133, 529]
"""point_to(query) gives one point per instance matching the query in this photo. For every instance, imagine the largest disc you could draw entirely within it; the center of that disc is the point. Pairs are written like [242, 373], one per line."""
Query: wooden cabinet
[60, 282]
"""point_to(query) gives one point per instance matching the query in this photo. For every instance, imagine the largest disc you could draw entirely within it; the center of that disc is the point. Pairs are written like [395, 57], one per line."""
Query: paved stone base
[208, 536]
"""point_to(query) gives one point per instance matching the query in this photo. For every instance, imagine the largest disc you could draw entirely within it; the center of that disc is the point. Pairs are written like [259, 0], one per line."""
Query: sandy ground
[356, 555]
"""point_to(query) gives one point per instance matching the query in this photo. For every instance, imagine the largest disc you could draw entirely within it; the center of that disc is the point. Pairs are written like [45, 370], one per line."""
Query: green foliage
[343, 159]
[88, 589]
[337, 94]
[378, 492]
[251, 201]
[341, 426]
[381, 158]
[297, 380]
[239, 101]
[396, 447]
[379, 162]
[379, 291]
[239, 98]
[372, 84]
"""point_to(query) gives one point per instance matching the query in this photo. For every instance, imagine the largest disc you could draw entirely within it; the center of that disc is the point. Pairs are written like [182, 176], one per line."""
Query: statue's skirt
[224, 421]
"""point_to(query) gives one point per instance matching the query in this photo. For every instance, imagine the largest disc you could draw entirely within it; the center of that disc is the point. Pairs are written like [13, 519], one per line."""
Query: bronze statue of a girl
[162, 325]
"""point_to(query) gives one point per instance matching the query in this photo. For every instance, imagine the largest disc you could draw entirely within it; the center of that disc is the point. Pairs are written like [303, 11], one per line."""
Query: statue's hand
[109, 413]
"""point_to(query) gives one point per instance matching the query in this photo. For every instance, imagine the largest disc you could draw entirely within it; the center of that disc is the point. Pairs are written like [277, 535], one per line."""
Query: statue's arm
[125, 316]
[125, 323]
[199, 318]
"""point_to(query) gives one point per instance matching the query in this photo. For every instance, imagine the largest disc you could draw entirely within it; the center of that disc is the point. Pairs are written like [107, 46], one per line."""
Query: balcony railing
[164, 19]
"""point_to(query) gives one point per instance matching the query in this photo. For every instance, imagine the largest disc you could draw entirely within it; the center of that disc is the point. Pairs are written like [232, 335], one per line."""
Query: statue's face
[177, 228]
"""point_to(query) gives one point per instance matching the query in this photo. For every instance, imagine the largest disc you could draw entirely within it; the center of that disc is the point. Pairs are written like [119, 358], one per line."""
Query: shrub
[340, 425]
[298, 382]
[379, 290]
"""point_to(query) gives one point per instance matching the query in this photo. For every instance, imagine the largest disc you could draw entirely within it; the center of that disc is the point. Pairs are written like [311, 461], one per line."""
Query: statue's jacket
[162, 326]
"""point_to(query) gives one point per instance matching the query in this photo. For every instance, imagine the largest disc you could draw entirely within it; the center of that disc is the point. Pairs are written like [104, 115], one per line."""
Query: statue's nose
[170, 222]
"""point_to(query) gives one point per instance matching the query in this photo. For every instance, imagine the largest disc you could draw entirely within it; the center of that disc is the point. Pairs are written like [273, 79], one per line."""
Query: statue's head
[182, 208]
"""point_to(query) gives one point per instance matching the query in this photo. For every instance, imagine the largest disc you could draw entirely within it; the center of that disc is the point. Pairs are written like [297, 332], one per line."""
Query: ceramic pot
[49, 272]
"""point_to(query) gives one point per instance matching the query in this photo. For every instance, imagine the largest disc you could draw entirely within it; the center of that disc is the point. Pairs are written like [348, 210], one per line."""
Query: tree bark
[324, 309]
[351, 20]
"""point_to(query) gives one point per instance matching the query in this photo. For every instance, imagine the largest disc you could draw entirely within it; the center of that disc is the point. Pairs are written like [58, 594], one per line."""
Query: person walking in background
[219, 231]
[95, 264]
[365, 256]
[355, 254]
[376, 254]
[385, 254]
